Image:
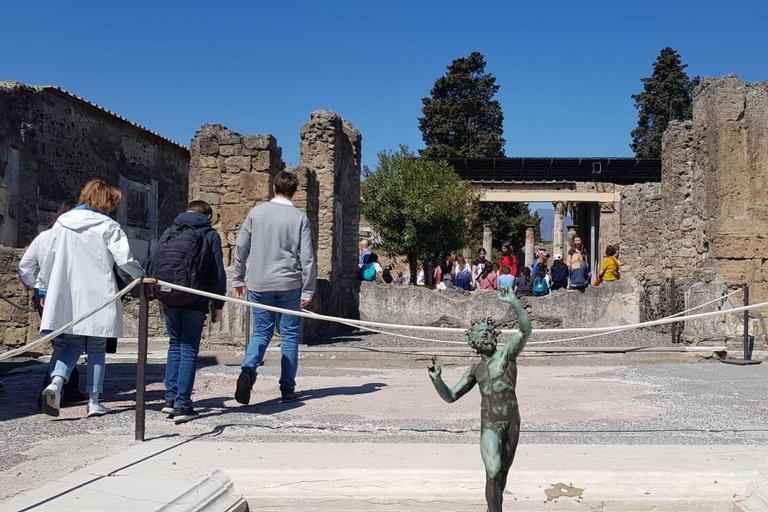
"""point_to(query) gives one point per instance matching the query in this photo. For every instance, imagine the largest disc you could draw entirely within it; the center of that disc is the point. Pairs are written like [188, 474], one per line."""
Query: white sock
[93, 398]
[58, 381]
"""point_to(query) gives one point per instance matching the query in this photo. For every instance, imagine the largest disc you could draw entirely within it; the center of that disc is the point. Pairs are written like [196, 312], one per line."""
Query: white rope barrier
[62, 330]
[370, 326]
[366, 323]
[575, 338]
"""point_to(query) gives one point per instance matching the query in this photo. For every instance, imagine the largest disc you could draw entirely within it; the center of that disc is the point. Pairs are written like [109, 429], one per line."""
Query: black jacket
[216, 277]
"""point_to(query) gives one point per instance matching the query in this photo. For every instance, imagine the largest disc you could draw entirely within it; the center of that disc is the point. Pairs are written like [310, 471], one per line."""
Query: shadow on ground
[22, 388]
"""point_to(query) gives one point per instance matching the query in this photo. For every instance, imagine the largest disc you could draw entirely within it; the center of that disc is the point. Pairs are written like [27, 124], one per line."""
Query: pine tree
[667, 96]
[461, 118]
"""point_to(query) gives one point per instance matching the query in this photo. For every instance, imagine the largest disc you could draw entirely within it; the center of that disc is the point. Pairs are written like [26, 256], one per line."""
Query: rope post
[673, 308]
[747, 349]
[141, 363]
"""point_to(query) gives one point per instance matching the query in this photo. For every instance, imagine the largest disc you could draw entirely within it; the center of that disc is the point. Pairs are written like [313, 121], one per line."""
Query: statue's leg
[490, 449]
[508, 450]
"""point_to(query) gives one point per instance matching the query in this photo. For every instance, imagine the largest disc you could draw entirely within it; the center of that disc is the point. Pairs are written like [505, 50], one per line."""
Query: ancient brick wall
[331, 147]
[52, 143]
[704, 224]
[233, 173]
[17, 326]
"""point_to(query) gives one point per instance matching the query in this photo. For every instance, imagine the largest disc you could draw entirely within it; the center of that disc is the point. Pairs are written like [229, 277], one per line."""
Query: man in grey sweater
[276, 241]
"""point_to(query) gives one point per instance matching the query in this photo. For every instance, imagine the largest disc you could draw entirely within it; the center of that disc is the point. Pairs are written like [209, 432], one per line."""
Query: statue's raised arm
[516, 345]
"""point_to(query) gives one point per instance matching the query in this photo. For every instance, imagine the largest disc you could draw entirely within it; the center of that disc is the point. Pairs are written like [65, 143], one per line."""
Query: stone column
[488, 240]
[571, 233]
[529, 241]
[557, 235]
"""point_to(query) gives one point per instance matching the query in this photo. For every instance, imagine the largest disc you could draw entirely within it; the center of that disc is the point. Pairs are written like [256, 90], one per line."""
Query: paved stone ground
[609, 399]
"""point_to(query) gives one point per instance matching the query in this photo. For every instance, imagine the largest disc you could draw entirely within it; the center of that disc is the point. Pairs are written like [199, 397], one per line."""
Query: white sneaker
[51, 400]
[93, 410]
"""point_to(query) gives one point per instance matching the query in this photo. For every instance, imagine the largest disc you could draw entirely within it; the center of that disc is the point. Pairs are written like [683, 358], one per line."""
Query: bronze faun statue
[496, 373]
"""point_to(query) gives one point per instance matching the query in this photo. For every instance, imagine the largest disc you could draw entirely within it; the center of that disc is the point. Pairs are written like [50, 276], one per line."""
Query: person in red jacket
[509, 259]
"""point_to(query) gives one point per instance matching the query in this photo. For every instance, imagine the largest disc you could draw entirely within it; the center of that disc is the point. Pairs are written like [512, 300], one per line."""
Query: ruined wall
[731, 125]
[331, 147]
[233, 173]
[615, 303]
[52, 143]
[704, 225]
[17, 327]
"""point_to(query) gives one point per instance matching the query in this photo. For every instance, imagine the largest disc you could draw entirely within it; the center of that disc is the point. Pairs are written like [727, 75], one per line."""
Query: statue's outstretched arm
[516, 345]
[450, 395]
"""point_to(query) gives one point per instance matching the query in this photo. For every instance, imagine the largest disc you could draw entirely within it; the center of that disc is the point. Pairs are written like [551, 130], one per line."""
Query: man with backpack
[188, 254]
[276, 242]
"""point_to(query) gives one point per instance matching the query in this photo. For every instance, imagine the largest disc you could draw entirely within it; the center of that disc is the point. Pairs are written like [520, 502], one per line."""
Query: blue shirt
[506, 281]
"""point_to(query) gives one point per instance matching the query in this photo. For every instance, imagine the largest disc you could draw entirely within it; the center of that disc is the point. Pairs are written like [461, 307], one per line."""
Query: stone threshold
[212, 476]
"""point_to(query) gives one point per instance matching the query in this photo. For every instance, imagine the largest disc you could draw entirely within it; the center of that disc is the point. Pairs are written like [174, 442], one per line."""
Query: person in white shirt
[420, 276]
[28, 266]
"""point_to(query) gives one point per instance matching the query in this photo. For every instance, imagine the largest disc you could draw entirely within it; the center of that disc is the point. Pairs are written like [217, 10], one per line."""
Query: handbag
[598, 280]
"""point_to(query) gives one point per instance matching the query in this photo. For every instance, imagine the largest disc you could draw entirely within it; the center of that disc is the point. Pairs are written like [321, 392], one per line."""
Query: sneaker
[93, 410]
[288, 397]
[51, 400]
[168, 406]
[243, 389]
[184, 414]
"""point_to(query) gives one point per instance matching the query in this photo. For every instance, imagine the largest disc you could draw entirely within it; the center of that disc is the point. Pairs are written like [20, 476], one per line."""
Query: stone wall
[331, 148]
[52, 143]
[704, 225]
[611, 304]
[233, 173]
[17, 327]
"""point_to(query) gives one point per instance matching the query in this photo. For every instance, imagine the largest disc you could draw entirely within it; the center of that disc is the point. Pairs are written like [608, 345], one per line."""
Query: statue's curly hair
[489, 321]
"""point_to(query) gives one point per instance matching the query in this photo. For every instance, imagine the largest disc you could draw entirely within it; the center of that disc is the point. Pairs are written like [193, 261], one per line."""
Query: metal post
[673, 308]
[747, 349]
[141, 363]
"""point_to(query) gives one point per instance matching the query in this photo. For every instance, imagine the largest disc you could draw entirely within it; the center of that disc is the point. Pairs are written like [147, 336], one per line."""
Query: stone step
[315, 477]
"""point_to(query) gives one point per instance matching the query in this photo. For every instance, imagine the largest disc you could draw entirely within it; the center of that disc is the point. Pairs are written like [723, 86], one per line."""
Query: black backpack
[178, 259]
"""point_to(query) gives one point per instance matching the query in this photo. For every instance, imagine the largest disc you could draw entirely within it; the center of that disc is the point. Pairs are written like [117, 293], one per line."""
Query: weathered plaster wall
[612, 304]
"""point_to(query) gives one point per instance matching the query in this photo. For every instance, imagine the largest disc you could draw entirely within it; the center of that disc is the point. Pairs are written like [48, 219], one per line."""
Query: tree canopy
[461, 118]
[667, 95]
[417, 207]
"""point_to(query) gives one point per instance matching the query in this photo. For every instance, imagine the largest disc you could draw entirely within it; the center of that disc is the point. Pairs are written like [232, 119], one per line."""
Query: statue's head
[483, 335]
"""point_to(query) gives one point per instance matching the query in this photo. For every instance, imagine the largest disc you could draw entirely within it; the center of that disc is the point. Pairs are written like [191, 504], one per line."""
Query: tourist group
[569, 272]
[75, 267]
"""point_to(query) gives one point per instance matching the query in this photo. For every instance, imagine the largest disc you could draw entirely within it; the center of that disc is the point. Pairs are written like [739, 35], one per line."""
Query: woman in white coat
[76, 277]
[28, 266]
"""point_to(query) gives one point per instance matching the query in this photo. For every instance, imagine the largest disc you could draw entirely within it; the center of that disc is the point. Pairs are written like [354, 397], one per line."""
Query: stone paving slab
[332, 476]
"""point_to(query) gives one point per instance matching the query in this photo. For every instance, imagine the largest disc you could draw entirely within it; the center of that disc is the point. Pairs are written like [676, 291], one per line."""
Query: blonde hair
[98, 194]
[576, 260]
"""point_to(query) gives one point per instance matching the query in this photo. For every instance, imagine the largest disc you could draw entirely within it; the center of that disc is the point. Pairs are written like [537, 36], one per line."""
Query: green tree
[461, 118]
[417, 207]
[667, 96]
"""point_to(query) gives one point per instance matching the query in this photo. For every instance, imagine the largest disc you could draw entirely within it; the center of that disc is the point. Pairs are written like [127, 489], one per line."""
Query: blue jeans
[185, 329]
[68, 348]
[264, 328]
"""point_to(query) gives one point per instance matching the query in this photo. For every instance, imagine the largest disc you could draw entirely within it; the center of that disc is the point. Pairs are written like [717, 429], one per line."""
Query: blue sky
[566, 69]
